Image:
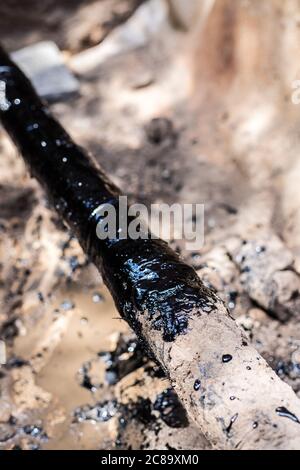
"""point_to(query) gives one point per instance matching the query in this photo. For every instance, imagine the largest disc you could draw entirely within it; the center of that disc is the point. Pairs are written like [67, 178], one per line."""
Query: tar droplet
[248, 368]
[232, 299]
[255, 425]
[34, 431]
[232, 398]
[246, 269]
[170, 409]
[67, 305]
[232, 421]
[97, 298]
[285, 413]
[32, 127]
[226, 358]
[197, 385]
[100, 412]
[260, 249]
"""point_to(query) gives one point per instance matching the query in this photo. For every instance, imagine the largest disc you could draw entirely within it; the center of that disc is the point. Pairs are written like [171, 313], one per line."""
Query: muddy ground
[168, 123]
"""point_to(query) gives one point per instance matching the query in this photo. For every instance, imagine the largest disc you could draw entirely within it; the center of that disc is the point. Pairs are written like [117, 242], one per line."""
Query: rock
[43, 64]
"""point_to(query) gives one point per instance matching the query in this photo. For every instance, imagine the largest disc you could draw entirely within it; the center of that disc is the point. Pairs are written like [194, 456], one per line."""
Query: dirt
[73, 25]
[168, 122]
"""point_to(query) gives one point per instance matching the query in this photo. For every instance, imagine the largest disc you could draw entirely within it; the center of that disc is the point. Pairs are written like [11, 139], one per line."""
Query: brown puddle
[57, 347]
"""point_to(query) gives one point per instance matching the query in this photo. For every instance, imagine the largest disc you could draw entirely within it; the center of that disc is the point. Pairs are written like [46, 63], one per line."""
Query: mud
[221, 150]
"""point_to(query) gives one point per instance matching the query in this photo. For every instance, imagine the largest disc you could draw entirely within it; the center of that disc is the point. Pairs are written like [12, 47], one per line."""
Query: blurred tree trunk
[250, 43]
[245, 57]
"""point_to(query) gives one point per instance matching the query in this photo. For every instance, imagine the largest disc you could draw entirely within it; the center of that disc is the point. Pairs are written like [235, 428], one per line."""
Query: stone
[44, 65]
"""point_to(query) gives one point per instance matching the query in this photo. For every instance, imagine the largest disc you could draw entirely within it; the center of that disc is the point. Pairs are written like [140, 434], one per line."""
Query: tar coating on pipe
[145, 277]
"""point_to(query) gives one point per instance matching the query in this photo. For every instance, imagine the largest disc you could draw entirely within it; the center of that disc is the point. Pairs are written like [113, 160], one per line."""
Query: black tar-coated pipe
[145, 277]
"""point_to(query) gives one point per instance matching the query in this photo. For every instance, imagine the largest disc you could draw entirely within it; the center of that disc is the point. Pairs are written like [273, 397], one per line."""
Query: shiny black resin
[144, 276]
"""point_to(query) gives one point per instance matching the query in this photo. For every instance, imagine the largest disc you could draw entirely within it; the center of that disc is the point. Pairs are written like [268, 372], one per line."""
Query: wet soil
[72, 380]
